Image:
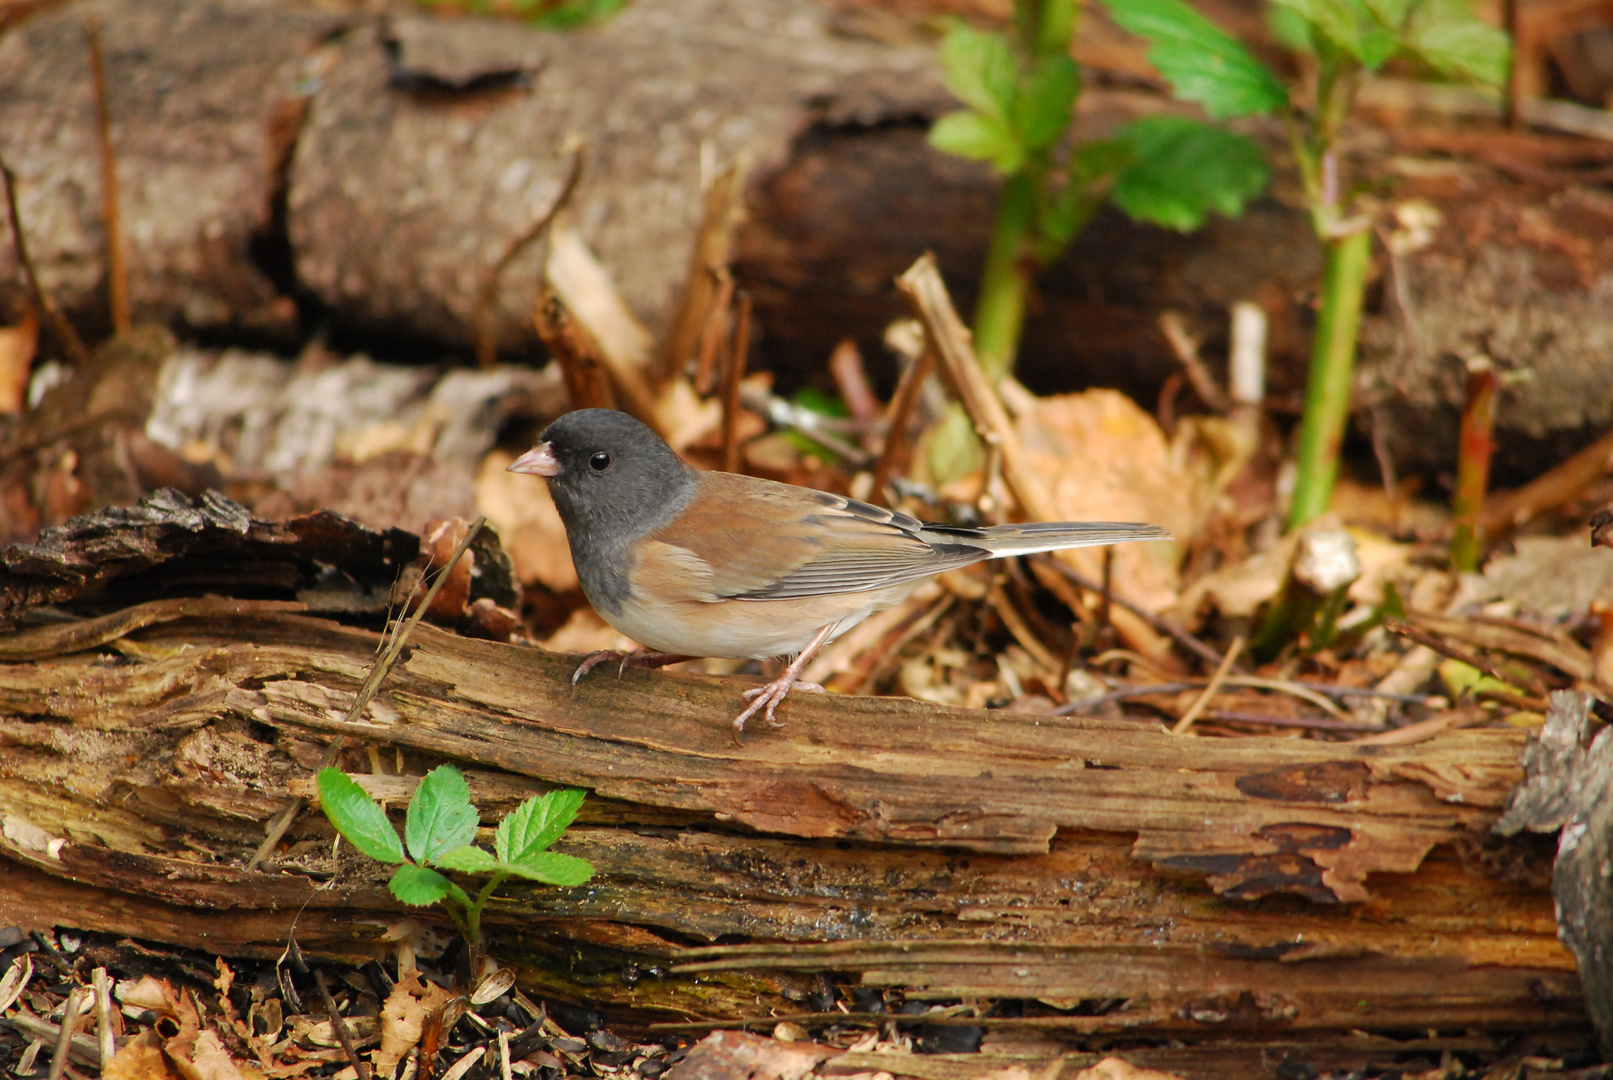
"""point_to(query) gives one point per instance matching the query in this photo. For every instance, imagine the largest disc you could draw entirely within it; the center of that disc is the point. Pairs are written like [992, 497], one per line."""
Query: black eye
[599, 462]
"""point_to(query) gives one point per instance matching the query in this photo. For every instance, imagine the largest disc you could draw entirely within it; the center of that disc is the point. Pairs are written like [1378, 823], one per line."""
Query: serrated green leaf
[440, 815]
[1183, 170]
[359, 819]
[979, 68]
[1445, 35]
[467, 860]
[1199, 60]
[1348, 24]
[1391, 13]
[553, 868]
[418, 886]
[979, 137]
[536, 824]
[1045, 102]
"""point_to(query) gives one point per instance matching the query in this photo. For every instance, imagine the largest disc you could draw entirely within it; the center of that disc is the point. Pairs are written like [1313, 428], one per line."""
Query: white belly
[747, 628]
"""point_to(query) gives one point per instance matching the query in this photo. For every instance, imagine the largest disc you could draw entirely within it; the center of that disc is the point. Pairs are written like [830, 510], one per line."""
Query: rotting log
[1215, 887]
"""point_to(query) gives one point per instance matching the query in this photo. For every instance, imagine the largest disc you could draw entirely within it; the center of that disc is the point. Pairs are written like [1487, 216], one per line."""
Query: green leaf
[1199, 60]
[359, 819]
[536, 824]
[1391, 13]
[979, 69]
[1351, 25]
[553, 868]
[1290, 29]
[983, 138]
[1445, 35]
[440, 815]
[467, 860]
[1183, 170]
[1093, 166]
[1046, 101]
[418, 886]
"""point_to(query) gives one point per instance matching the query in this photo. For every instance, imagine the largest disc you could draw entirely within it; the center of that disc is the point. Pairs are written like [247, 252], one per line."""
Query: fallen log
[1197, 886]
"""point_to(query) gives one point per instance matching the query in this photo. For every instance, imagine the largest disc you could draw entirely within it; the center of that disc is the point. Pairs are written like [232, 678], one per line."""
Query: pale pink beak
[538, 461]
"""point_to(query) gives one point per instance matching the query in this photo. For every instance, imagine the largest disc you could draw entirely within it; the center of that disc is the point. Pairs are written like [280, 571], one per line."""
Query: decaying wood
[1213, 886]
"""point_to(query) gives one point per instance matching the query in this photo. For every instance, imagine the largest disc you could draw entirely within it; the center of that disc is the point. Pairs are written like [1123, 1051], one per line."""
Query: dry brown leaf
[1104, 459]
[141, 1058]
[207, 1059]
[1113, 1068]
[738, 1055]
[403, 1017]
[18, 344]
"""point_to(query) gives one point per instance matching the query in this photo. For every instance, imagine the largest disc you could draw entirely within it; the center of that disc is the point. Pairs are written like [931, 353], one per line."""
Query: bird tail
[1039, 536]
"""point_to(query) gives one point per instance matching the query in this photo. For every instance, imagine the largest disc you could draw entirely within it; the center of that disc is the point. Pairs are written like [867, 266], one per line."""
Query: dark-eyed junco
[692, 563]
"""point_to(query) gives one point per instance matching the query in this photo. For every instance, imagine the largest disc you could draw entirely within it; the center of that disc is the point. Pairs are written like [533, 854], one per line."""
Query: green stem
[1327, 394]
[1007, 279]
[1006, 283]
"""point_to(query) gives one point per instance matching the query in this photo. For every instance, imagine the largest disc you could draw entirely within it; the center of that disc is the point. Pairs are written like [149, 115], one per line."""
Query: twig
[339, 1023]
[1473, 660]
[1476, 445]
[712, 249]
[713, 334]
[1186, 722]
[587, 379]
[1556, 486]
[814, 425]
[117, 270]
[894, 456]
[486, 340]
[1159, 623]
[851, 379]
[733, 375]
[103, 1015]
[922, 285]
[372, 682]
[1185, 347]
[42, 300]
[64, 1035]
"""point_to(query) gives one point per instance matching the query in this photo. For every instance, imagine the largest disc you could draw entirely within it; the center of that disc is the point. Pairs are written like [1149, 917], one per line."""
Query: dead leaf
[207, 1059]
[737, 1055]
[1113, 1068]
[403, 1017]
[1105, 459]
[140, 1058]
[18, 344]
[586, 632]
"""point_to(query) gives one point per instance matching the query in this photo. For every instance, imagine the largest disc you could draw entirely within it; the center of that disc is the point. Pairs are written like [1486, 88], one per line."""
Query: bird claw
[767, 699]
[644, 658]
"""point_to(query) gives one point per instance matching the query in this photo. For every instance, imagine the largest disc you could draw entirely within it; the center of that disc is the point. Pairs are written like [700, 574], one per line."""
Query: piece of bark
[169, 542]
[969, 854]
[194, 88]
[1568, 785]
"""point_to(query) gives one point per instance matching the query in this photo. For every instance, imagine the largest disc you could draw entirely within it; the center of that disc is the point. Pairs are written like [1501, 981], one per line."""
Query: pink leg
[643, 658]
[769, 696]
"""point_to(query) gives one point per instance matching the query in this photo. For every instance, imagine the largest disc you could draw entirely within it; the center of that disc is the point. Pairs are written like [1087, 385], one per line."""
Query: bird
[692, 563]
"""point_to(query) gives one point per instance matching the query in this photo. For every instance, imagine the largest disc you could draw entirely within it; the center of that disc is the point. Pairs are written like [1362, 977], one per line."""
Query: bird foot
[769, 697]
[643, 658]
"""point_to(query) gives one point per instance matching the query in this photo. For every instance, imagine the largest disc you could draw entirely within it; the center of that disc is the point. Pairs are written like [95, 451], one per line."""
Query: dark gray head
[613, 480]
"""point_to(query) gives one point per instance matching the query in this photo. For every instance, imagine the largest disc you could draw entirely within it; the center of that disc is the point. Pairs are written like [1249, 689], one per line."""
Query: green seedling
[439, 834]
[1346, 39]
[1019, 90]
